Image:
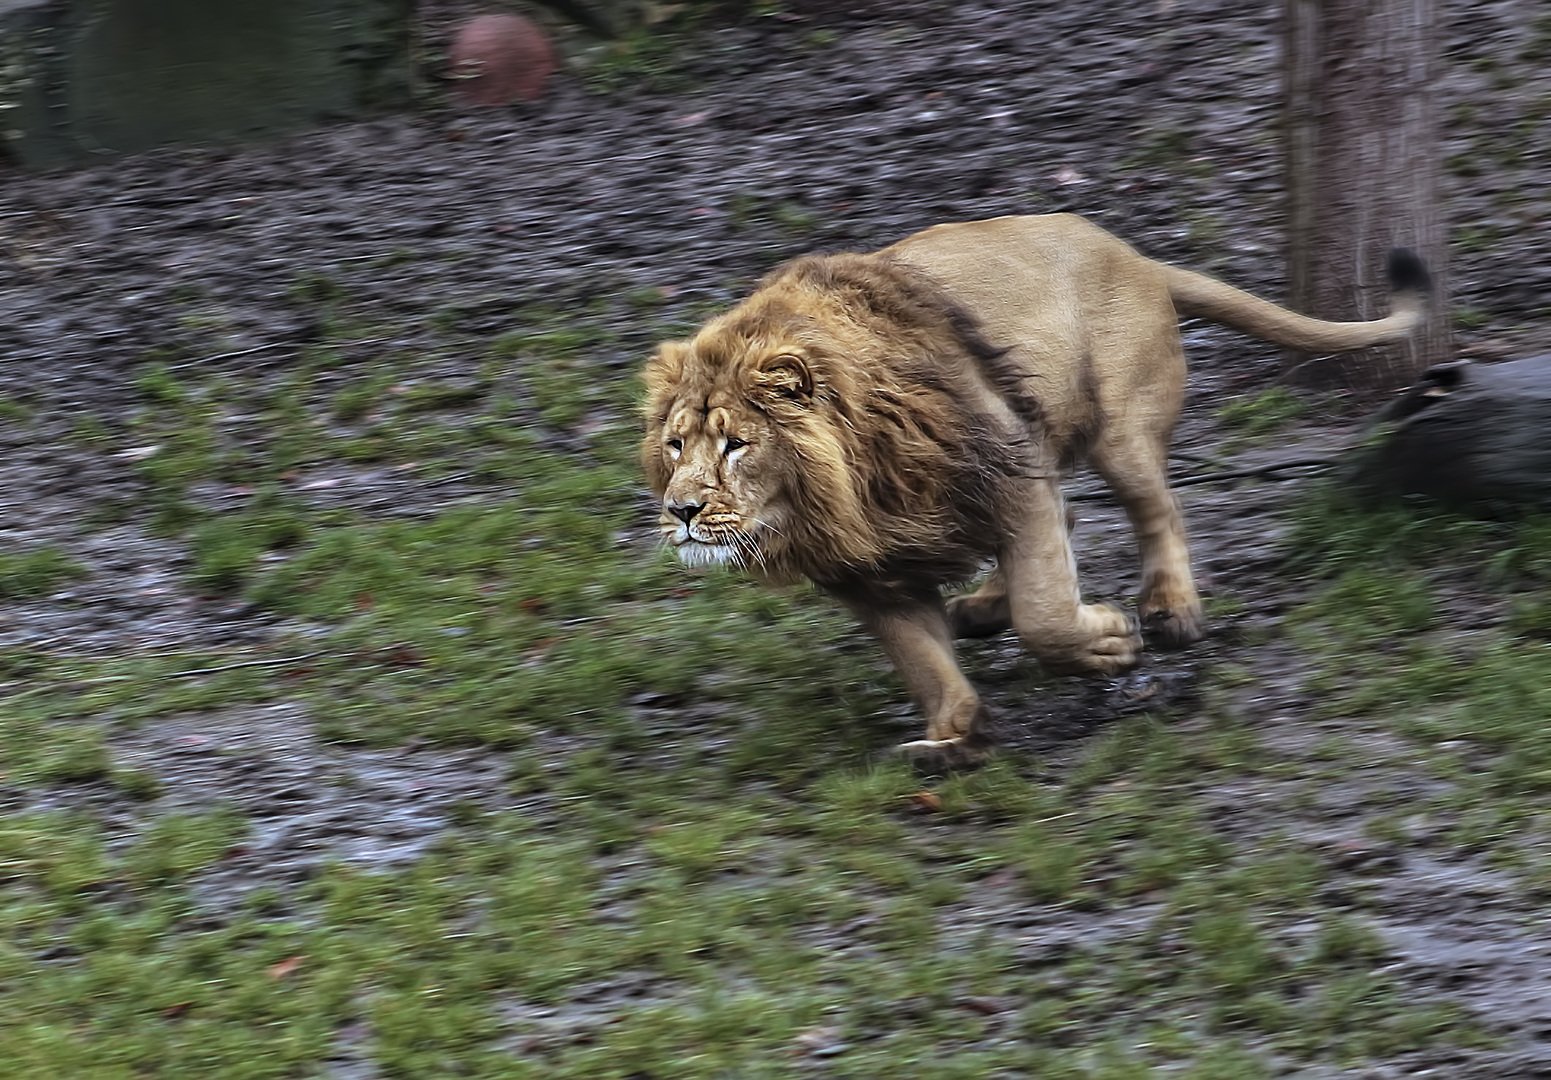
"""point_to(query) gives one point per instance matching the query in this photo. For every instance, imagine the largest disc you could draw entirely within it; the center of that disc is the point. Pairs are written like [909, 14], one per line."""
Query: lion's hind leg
[987, 611]
[983, 613]
[1062, 632]
[1135, 467]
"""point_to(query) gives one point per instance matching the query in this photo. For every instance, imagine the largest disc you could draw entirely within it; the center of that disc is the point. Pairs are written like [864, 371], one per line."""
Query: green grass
[1265, 413]
[700, 862]
[36, 572]
[655, 54]
[227, 549]
[13, 410]
[1474, 705]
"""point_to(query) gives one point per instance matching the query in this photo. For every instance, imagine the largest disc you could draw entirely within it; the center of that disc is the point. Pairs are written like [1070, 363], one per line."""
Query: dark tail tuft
[1408, 273]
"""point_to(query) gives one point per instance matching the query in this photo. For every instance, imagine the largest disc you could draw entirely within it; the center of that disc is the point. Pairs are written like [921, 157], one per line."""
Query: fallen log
[1475, 437]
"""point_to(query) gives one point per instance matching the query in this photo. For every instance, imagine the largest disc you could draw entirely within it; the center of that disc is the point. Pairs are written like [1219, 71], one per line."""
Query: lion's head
[736, 442]
[720, 461]
[828, 426]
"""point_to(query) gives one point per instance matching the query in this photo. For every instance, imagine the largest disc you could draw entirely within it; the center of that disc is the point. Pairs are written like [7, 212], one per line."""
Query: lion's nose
[684, 511]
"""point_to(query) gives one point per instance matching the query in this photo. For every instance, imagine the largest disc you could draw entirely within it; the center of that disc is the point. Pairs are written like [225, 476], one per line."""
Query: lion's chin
[699, 556]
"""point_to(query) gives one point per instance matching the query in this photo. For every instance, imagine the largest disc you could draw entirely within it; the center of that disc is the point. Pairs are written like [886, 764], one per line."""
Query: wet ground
[1157, 120]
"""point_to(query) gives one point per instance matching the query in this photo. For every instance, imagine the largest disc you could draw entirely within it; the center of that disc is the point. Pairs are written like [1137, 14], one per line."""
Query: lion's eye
[675, 446]
[733, 444]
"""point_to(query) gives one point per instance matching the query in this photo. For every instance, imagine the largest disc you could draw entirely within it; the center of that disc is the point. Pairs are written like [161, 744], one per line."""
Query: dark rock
[1470, 436]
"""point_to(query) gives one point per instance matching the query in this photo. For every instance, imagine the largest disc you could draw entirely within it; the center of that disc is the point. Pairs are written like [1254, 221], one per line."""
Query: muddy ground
[817, 131]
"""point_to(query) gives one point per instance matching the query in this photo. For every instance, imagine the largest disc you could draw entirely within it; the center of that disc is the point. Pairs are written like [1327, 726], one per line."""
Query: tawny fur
[884, 424]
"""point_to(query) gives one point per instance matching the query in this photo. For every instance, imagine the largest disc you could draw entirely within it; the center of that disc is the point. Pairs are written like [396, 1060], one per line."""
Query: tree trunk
[1362, 146]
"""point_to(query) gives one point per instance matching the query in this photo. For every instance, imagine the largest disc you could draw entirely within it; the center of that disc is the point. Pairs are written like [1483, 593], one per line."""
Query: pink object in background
[498, 59]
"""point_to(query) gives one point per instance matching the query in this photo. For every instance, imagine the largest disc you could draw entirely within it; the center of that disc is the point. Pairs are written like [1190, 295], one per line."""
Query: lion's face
[718, 459]
[721, 502]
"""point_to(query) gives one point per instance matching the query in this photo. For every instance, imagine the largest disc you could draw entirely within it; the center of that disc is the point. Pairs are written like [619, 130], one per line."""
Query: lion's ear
[660, 379]
[667, 363]
[787, 376]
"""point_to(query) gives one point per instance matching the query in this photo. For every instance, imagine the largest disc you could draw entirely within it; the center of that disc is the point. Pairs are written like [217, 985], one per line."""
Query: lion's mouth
[698, 549]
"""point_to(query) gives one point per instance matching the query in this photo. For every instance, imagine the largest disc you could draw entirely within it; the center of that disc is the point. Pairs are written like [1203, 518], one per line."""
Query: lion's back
[1030, 283]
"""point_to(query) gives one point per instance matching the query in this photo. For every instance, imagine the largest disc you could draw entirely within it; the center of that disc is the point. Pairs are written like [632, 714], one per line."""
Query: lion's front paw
[1106, 643]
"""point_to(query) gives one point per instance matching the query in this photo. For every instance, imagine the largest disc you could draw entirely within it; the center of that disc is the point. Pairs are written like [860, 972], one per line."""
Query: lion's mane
[894, 440]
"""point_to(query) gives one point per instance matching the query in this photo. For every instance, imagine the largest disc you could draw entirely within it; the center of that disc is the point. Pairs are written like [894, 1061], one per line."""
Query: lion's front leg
[917, 640]
[1044, 600]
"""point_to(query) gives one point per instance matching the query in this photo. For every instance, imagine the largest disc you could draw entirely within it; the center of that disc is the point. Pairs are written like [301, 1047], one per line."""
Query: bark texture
[1363, 148]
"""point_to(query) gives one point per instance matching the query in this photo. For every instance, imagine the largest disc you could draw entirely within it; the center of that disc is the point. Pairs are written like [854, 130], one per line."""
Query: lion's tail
[1203, 297]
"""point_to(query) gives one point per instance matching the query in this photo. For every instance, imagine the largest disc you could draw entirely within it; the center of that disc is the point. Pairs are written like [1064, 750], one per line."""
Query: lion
[889, 424]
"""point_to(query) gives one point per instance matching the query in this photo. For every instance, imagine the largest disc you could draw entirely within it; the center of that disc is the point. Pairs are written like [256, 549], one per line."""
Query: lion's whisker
[746, 542]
